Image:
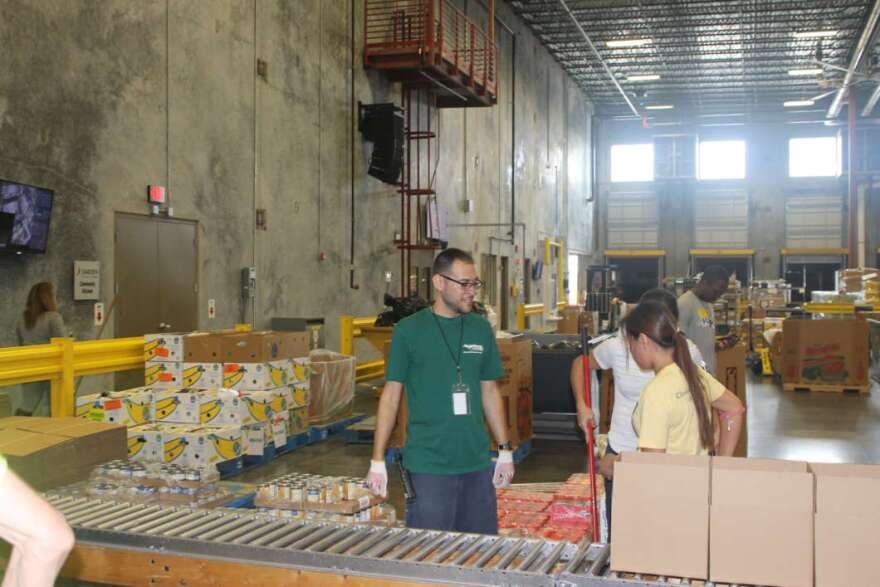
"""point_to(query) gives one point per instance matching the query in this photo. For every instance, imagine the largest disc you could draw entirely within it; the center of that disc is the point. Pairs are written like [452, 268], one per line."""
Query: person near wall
[674, 412]
[447, 359]
[39, 323]
[39, 535]
[697, 316]
[629, 381]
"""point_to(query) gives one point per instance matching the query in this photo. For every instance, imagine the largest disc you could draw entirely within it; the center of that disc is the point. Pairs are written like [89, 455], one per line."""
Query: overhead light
[642, 78]
[622, 43]
[813, 34]
[660, 107]
[797, 103]
[805, 72]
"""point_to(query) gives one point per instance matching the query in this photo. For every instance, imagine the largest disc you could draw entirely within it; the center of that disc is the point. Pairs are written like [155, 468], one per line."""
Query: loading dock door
[721, 219]
[813, 222]
[632, 220]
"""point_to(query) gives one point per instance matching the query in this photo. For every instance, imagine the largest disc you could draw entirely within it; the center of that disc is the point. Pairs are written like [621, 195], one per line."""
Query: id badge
[460, 393]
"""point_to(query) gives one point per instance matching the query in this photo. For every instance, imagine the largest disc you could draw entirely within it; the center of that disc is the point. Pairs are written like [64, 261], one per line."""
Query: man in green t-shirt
[447, 359]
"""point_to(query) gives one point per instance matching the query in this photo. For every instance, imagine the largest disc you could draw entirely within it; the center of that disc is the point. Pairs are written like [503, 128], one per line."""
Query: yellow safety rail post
[63, 360]
[351, 328]
[244, 327]
[523, 310]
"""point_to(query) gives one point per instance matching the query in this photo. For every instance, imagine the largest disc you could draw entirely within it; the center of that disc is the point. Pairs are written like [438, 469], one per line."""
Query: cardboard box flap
[762, 484]
[665, 459]
[31, 443]
[46, 424]
[846, 489]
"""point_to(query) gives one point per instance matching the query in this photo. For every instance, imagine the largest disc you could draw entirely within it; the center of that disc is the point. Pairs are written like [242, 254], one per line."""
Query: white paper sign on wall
[86, 280]
[212, 309]
[99, 314]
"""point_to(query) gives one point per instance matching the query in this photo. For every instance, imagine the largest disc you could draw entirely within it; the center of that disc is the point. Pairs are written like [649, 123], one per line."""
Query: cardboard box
[187, 406]
[761, 522]
[262, 405]
[825, 352]
[51, 452]
[300, 372]
[163, 347]
[202, 375]
[204, 347]
[264, 346]
[516, 388]
[664, 530]
[174, 443]
[257, 376]
[730, 370]
[847, 518]
[129, 407]
[575, 318]
[145, 443]
[300, 395]
[256, 437]
[210, 445]
[163, 375]
[299, 420]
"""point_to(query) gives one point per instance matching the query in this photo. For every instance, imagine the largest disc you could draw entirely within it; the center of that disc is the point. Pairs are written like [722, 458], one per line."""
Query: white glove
[503, 469]
[377, 478]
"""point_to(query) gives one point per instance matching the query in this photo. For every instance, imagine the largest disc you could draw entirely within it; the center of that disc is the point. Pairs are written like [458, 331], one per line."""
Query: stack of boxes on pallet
[745, 521]
[211, 397]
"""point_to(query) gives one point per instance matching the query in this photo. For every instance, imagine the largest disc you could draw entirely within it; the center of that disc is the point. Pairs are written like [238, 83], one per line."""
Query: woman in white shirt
[629, 381]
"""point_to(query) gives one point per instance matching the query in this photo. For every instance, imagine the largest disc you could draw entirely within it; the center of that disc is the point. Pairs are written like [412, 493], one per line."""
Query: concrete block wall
[100, 99]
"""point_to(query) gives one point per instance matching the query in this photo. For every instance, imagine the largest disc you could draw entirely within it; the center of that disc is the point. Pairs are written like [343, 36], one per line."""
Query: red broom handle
[591, 459]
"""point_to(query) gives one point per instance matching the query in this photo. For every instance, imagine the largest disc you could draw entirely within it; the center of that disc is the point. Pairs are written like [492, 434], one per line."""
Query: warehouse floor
[826, 427]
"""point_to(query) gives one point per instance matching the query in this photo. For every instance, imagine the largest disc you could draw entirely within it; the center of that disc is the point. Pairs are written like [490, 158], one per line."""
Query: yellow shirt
[665, 417]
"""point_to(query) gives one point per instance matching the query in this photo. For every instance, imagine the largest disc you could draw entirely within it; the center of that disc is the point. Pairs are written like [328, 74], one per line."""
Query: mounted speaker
[382, 125]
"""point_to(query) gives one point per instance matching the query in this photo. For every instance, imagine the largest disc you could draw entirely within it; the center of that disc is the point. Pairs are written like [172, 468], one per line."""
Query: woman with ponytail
[674, 413]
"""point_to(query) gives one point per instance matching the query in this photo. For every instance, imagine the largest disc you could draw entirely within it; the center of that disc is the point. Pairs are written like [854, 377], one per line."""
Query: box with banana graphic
[145, 443]
[175, 441]
[257, 376]
[202, 375]
[300, 369]
[187, 406]
[262, 405]
[163, 374]
[209, 445]
[163, 347]
[299, 420]
[301, 395]
[256, 437]
[129, 407]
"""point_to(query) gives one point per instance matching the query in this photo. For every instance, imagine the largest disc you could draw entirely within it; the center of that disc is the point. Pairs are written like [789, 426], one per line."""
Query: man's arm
[386, 416]
[494, 410]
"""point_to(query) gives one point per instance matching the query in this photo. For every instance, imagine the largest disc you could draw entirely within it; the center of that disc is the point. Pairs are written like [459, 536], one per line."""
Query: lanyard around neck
[456, 360]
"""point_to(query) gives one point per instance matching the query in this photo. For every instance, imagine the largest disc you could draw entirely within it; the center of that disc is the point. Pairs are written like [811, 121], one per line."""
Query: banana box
[209, 445]
[175, 442]
[145, 443]
[163, 347]
[129, 407]
[188, 406]
[257, 376]
[234, 410]
[202, 375]
[163, 374]
[299, 420]
[300, 372]
[262, 405]
[300, 395]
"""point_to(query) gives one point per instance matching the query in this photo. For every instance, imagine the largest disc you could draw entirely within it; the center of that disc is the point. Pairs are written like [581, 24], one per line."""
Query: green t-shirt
[437, 441]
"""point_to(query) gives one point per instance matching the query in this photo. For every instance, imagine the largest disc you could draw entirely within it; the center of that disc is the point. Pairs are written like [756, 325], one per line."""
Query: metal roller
[417, 556]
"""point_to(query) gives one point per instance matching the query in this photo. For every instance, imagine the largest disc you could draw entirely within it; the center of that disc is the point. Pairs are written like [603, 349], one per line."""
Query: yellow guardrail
[525, 310]
[816, 308]
[351, 328]
[63, 360]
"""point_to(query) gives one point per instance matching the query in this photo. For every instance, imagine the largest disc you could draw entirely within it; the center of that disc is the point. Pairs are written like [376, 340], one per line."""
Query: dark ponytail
[654, 320]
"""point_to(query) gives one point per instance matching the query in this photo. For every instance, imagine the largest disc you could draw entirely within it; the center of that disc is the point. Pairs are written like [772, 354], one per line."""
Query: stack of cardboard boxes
[825, 355]
[51, 452]
[243, 393]
[745, 521]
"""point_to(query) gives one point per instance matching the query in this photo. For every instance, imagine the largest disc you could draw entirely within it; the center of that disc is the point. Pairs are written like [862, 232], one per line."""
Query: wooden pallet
[827, 388]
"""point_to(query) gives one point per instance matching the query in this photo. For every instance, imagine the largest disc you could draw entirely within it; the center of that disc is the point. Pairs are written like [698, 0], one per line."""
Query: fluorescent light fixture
[813, 34]
[805, 72]
[797, 103]
[642, 78]
[660, 107]
[623, 43]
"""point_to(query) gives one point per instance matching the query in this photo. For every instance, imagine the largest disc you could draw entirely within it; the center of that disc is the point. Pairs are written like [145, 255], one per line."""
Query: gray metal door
[156, 269]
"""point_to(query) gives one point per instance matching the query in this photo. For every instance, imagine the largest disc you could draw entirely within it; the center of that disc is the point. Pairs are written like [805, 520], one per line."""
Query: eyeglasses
[475, 284]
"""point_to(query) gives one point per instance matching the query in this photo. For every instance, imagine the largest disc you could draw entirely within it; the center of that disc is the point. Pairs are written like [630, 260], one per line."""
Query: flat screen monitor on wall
[31, 208]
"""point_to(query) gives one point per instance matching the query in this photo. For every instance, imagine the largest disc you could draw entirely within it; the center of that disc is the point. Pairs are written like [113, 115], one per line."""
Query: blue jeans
[457, 503]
